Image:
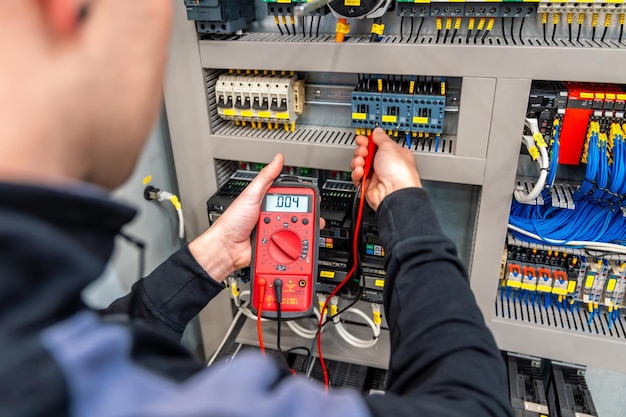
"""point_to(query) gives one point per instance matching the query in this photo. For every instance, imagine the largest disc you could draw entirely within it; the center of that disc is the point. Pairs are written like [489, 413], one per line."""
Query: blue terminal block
[366, 108]
[428, 114]
[396, 112]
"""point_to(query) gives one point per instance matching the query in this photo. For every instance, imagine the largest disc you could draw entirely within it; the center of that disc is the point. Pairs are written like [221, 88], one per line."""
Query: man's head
[80, 86]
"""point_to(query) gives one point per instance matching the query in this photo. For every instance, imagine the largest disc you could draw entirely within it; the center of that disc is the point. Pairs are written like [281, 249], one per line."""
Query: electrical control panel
[499, 63]
[564, 263]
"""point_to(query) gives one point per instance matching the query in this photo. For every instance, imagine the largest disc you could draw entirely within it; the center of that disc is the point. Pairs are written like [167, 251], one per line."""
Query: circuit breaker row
[260, 97]
[399, 106]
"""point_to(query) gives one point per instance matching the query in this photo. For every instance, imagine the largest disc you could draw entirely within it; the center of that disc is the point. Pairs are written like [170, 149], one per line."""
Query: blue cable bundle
[554, 161]
[598, 216]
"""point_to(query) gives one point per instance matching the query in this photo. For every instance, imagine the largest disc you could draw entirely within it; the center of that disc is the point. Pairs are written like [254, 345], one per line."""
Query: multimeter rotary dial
[285, 246]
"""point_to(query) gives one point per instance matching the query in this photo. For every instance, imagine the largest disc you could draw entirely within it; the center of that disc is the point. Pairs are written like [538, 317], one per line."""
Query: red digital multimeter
[284, 248]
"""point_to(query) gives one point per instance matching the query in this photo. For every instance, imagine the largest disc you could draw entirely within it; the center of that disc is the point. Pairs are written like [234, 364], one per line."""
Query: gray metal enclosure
[495, 86]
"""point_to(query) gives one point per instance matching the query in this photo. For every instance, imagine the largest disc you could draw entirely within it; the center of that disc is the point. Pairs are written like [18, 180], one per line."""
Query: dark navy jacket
[58, 358]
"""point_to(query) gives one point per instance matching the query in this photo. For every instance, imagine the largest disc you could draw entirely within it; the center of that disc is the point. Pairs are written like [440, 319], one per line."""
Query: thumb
[380, 137]
[259, 186]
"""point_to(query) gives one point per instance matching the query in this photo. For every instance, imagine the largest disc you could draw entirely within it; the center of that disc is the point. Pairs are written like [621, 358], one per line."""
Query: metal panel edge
[546, 63]
[188, 119]
[558, 345]
[475, 116]
[314, 155]
[509, 108]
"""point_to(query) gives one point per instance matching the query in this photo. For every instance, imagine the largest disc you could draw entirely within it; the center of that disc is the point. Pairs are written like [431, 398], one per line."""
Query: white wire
[246, 310]
[295, 327]
[544, 164]
[303, 331]
[600, 246]
[167, 196]
[353, 340]
[181, 224]
[230, 330]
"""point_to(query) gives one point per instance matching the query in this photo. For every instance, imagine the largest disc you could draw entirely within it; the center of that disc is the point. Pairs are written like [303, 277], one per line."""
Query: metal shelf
[333, 347]
[559, 344]
[332, 148]
[572, 63]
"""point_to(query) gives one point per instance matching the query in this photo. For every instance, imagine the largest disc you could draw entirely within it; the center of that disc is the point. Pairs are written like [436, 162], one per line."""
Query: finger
[322, 223]
[263, 181]
[360, 151]
[361, 140]
[359, 161]
[357, 174]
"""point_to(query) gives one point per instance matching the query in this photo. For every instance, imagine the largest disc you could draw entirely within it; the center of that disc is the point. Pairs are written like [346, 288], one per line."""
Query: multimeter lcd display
[287, 203]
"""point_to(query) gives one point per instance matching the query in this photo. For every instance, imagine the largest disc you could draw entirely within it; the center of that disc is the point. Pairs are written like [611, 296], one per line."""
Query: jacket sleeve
[444, 361]
[168, 298]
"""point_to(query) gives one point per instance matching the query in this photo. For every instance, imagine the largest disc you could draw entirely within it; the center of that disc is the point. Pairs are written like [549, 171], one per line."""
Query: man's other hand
[394, 167]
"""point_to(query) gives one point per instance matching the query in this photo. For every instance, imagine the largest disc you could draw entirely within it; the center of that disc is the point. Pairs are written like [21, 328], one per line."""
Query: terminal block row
[398, 106]
[570, 275]
[410, 8]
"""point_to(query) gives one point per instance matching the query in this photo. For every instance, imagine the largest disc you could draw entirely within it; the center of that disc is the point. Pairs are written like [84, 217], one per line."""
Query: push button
[266, 220]
[305, 221]
[294, 219]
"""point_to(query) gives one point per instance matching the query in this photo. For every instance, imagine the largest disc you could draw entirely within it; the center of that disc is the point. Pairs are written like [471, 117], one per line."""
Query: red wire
[259, 327]
[345, 280]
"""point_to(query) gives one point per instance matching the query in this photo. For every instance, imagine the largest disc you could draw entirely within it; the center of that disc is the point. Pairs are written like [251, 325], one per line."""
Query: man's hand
[225, 246]
[394, 167]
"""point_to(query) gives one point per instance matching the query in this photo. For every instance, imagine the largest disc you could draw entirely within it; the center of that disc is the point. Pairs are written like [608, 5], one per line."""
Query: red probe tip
[369, 160]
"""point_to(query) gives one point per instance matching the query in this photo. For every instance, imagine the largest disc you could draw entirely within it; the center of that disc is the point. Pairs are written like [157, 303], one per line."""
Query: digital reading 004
[287, 202]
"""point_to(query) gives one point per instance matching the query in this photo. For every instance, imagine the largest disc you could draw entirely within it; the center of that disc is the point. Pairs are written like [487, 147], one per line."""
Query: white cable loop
[353, 340]
[245, 309]
[599, 246]
[544, 163]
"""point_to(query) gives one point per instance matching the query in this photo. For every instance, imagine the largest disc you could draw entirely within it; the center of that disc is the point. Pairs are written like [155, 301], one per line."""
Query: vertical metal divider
[507, 121]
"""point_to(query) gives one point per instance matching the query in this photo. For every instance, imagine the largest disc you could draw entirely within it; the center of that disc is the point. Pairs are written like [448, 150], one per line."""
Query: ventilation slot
[555, 316]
